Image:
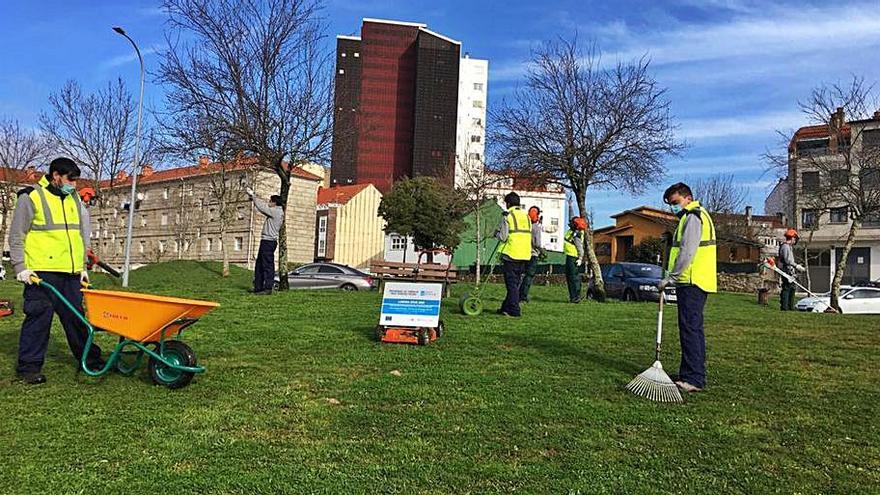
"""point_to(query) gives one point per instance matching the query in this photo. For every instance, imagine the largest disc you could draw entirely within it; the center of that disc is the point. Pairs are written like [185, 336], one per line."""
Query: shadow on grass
[557, 348]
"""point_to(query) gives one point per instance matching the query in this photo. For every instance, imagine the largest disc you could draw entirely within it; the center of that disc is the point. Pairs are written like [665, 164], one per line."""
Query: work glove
[800, 268]
[24, 276]
[666, 282]
[250, 192]
[84, 277]
[579, 262]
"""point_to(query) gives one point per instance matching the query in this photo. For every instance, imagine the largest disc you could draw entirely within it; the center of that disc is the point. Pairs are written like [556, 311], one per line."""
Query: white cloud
[125, 59]
[752, 125]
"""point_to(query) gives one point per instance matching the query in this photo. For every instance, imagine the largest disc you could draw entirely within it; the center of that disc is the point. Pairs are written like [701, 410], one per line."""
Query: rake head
[654, 384]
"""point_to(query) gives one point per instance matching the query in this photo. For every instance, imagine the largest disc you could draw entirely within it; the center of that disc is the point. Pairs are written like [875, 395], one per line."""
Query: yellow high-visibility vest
[702, 271]
[519, 241]
[54, 242]
[568, 247]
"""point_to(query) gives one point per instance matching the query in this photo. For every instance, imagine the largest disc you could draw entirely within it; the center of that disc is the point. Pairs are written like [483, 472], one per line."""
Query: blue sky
[734, 68]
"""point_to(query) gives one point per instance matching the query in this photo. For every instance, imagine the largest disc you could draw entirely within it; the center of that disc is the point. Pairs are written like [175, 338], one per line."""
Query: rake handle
[659, 327]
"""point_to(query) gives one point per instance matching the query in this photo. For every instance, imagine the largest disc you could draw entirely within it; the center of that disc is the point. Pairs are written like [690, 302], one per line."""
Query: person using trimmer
[692, 269]
[537, 253]
[787, 264]
[515, 236]
[49, 239]
[264, 268]
[573, 248]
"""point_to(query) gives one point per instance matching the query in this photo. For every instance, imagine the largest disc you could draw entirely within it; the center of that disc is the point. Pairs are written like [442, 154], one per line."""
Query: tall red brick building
[396, 104]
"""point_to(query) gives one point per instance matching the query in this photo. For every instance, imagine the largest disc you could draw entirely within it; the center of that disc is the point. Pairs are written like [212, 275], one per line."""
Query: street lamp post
[136, 166]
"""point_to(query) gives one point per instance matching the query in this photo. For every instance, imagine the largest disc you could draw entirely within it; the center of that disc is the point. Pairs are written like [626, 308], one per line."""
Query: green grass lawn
[534, 405]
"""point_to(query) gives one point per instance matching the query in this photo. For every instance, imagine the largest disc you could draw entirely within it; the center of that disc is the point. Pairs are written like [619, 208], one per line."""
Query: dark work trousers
[691, 301]
[572, 278]
[786, 296]
[531, 270]
[513, 275]
[39, 307]
[264, 270]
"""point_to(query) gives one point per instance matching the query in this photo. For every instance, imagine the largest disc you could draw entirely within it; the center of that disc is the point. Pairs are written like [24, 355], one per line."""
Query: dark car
[329, 276]
[633, 282]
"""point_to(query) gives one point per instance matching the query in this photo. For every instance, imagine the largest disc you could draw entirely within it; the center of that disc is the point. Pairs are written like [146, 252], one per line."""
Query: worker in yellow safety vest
[49, 239]
[692, 271]
[514, 235]
[573, 249]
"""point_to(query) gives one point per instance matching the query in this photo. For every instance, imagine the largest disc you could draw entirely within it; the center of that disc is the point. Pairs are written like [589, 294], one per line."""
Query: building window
[239, 242]
[177, 218]
[398, 243]
[185, 246]
[142, 246]
[477, 122]
[478, 104]
[211, 213]
[810, 181]
[356, 54]
[476, 139]
[810, 218]
[342, 54]
[839, 215]
[165, 193]
[808, 147]
[342, 71]
[143, 220]
[871, 138]
[554, 240]
[164, 219]
[120, 247]
[554, 221]
[176, 246]
[839, 177]
[478, 86]
[322, 248]
[208, 244]
[161, 246]
[239, 213]
[219, 244]
[474, 156]
[322, 225]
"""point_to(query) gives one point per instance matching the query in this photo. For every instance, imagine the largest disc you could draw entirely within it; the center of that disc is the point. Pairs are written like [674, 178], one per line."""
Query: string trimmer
[770, 264]
[471, 303]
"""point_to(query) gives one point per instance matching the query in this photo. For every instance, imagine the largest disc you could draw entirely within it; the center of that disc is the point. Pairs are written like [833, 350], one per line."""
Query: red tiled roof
[339, 194]
[816, 132]
[197, 170]
[19, 176]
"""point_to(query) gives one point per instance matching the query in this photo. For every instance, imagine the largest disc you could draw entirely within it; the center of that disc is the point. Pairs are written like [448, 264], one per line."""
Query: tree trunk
[284, 175]
[224, 249]
[841, 263]
[598, 283]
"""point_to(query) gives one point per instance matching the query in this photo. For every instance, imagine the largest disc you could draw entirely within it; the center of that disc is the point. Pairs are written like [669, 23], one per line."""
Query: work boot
[32, 378]
[264, 293]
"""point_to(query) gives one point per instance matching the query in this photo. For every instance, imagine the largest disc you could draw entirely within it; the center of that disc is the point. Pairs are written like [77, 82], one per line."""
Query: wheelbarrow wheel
[178, 353]
[470, 304]
[440, 329]
[379, 333]
[424, 336]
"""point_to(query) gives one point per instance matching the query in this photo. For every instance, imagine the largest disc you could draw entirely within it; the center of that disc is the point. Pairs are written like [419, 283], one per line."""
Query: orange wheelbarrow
[149, 324]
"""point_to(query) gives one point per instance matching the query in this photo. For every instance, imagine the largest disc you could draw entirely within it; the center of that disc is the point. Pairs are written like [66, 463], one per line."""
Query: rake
[653, 383]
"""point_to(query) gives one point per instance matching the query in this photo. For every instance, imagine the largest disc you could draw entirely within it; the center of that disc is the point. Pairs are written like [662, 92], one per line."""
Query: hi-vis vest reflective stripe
[519, 241]
[568, 247]
[54, 242]
[702, 271]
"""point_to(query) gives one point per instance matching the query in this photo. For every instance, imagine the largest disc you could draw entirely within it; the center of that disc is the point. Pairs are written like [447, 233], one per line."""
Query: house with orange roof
[348, 229]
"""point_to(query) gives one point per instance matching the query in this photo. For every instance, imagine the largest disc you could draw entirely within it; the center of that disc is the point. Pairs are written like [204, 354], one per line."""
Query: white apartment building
[549, 198]
[470, 141]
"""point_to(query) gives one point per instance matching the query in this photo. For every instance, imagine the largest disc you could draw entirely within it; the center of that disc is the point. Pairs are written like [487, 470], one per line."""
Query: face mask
[676, 208]
[68, 189]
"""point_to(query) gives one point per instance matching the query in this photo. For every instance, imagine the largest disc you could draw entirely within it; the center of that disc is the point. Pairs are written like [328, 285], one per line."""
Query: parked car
[633, 282]
[329, 276]
[853, 300]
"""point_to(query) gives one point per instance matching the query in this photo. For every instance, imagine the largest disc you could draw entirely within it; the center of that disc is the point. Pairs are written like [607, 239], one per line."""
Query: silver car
[329, 276]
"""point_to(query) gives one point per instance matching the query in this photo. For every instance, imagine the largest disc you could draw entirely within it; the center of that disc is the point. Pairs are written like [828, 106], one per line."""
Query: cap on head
[87, 194]
[791, 234]
[579, 223]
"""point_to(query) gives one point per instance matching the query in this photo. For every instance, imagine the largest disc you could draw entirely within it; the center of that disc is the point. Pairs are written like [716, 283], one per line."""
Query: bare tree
[720, 193]
[476, 182]
[844, 161]
[257, 73]
[97, 130]
[187, 216]
[583, 125]
[21, 150]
